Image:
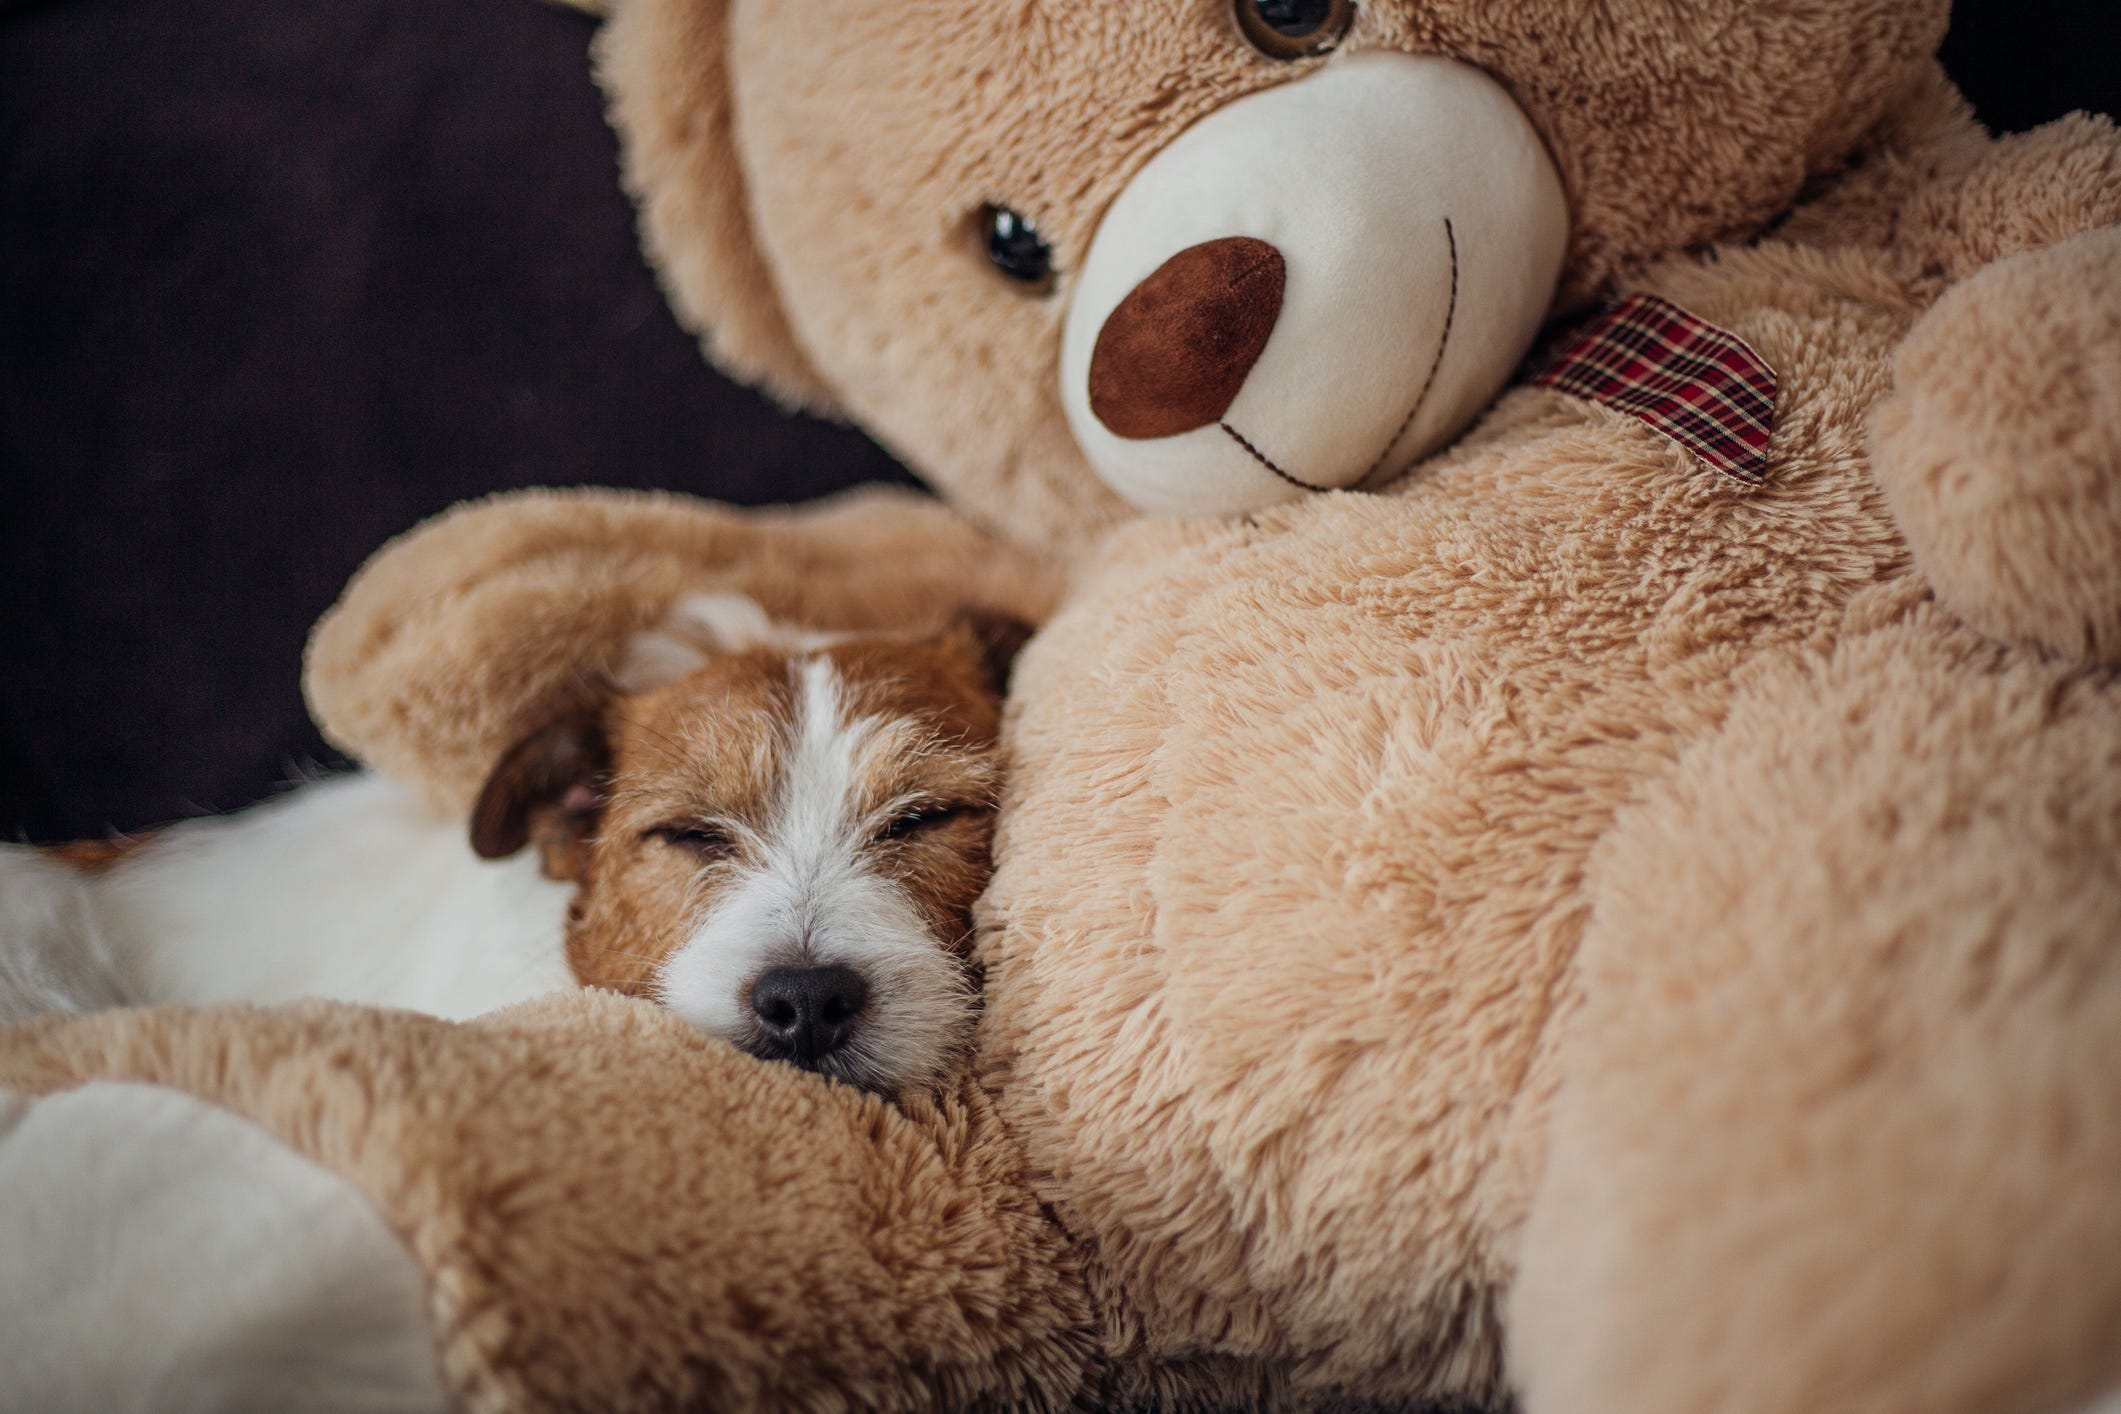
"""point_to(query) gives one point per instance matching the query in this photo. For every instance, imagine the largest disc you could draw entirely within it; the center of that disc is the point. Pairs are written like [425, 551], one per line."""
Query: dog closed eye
[706, 841]
[923, 818]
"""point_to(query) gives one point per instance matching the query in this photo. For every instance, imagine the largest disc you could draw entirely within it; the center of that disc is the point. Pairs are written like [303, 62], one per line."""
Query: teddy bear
[1563, 847]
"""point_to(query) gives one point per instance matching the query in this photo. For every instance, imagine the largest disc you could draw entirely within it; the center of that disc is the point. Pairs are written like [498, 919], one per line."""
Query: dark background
[279, 280]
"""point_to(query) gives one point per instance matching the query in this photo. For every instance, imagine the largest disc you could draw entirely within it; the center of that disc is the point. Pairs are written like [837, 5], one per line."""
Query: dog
[776, 833]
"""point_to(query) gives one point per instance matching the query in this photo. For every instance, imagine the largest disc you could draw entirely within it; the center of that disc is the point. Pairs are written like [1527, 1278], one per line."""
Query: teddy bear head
[1198, 256]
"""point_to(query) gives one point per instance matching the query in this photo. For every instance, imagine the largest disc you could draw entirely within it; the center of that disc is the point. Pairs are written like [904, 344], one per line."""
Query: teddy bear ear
[664, 68]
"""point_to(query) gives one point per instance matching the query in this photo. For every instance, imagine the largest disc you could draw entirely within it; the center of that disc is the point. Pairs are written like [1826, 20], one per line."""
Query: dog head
[778, 835]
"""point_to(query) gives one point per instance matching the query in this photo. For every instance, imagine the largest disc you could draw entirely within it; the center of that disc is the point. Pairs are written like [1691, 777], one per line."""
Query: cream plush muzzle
[1419, 226]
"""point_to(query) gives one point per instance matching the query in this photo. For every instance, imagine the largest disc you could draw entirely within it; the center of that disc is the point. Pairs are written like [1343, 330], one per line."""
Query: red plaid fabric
[1697, 384]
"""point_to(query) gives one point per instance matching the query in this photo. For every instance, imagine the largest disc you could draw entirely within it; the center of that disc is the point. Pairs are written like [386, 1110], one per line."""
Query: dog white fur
[348, 888]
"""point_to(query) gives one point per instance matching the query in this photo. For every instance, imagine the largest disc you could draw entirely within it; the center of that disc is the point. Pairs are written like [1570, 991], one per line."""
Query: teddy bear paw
[2000, 448]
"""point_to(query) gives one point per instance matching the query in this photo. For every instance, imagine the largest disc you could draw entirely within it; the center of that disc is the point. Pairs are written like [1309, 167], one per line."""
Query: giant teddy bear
[1596, 888]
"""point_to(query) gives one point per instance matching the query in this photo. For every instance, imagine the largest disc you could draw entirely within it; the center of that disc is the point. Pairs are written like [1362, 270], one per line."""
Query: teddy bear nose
[1173, 354]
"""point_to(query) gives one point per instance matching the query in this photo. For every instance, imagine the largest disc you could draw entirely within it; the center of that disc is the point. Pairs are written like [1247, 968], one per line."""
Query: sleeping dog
[777, 834]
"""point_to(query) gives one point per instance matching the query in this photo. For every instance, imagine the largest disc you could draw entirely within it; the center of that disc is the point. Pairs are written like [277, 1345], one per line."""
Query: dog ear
[547, 789]
[997, 637]
[664, 67]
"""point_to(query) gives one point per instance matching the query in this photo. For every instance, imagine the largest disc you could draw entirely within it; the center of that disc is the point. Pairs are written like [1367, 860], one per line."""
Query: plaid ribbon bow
[1699, 385]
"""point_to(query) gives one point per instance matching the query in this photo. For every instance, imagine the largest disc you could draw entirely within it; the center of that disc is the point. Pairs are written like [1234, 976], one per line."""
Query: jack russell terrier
[777, 834]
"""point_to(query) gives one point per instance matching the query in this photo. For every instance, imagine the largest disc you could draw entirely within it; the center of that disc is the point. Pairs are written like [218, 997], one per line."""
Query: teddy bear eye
[1016, 248]
[1294, 29]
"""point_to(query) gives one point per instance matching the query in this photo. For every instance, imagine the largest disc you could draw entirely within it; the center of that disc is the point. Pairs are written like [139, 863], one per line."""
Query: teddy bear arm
[1835, 1125]
[1999, 448]
[464, 634]
[607, 1210]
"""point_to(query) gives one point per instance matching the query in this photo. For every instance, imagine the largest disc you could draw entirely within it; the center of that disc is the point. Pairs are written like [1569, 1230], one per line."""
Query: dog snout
[808, 1012]
[1174, 353]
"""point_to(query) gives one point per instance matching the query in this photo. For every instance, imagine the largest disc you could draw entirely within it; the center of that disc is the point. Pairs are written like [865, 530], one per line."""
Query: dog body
[777, 834]
[347, 887]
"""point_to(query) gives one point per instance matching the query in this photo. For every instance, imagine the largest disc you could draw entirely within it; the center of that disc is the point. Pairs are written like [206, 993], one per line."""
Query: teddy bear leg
[162, 1253]
[1836, 1128]
[464, 633]
[2000, 447]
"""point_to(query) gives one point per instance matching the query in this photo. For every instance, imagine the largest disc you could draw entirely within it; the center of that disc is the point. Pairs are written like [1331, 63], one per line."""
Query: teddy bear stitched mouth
[1450, 315]
[1266, 461]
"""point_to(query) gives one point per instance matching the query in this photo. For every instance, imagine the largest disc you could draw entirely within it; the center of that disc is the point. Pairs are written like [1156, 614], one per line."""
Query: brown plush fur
[1565, 926]
[2001, 468]
[1897, 945]
[679, 1253]
[695, 202]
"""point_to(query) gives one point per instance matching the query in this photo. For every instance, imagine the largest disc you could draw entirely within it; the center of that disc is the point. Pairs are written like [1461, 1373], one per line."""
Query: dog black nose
[809, 1011]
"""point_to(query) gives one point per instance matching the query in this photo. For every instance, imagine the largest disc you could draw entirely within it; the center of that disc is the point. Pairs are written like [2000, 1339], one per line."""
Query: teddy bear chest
[1572, 583]
[1423, 690]
[1302, 803]
[1387, 731]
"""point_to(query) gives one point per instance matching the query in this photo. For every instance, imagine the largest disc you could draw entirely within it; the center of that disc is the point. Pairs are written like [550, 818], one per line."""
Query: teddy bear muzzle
[1312, 286]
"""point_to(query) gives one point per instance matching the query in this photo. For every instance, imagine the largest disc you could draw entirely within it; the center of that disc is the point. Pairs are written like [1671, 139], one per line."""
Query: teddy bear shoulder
[1948, 198]
[1931, 200]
